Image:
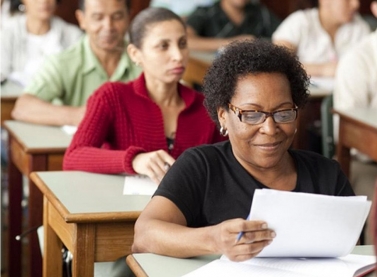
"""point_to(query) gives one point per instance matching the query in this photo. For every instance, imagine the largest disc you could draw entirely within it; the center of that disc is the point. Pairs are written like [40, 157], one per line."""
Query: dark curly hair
[241, 58]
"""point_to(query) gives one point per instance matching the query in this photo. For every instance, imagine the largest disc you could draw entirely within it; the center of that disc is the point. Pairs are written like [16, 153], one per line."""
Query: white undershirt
[38, 48]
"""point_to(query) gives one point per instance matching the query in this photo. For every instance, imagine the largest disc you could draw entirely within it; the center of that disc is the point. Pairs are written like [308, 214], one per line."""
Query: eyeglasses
[255, 117]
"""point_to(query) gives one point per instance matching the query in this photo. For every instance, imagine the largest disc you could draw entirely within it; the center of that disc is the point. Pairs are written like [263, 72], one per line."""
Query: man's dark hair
[242, 58]
[127, 2]
[146, 18]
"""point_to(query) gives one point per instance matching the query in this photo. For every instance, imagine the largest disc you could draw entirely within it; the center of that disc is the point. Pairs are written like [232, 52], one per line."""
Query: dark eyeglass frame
[238, 112]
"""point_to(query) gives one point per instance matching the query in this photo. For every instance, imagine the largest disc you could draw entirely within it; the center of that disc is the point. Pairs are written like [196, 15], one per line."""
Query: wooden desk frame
[354, 134]
[7, 105]
[135, 267]
[22, 161]
[91, 237]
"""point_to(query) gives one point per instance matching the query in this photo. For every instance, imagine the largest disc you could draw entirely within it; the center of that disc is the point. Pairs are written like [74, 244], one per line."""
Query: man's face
[105, 22]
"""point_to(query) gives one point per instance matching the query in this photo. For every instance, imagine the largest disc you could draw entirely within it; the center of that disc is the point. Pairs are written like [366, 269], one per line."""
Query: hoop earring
[223, 131]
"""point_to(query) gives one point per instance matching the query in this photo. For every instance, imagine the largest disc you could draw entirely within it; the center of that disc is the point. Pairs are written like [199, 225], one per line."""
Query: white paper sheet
[139, 185]
[286, 267]
[310, 225]
[68, 129]
[323, 82]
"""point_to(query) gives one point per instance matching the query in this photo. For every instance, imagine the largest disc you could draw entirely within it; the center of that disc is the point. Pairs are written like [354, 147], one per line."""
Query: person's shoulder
[187, 92]
[112, 90]
[56, 20]
[305, 16]
[13, 24]
[359, 22]
[360, 53]
[66, 27]
[70, 56]
[207, 11]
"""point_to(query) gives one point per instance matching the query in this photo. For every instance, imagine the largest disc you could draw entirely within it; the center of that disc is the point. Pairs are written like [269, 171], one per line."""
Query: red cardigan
[124, 117]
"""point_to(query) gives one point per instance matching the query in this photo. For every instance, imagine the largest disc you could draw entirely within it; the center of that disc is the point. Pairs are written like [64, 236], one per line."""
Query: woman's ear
[134, 54]
[221, 115]
[373, 7]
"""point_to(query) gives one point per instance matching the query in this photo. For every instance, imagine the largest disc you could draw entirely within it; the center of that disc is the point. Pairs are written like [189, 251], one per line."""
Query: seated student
[58, 93]
[253, 90]
[356, 87]
[150, 121]
[210, 28]
[321, 36]
[28, 38]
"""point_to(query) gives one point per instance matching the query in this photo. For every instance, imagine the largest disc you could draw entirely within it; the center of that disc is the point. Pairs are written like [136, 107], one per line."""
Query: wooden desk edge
[57, 150]
[353, 120]
[135, 266]
[48, 194]
[80, 217]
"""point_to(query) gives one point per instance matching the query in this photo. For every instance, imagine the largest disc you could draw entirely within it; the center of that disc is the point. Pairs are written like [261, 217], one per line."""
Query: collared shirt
[213, 22]
[69, 78]
[303, 29]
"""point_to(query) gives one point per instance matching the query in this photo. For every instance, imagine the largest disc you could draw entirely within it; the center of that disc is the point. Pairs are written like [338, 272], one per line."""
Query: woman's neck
[281, 177]
[36, 26]
[163, 94]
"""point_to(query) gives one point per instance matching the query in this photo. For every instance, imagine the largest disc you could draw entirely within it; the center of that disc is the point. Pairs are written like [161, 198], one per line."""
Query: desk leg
[38, 163]
[83, 256]
[14, 216]
[343, 152]
[52, 245]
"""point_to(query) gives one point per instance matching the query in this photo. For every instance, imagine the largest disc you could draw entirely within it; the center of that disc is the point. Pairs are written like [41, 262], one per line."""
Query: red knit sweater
[125, 118]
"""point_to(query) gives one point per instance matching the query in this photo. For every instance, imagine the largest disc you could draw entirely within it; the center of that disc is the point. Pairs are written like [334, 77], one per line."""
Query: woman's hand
[256, 236]
[153, 164]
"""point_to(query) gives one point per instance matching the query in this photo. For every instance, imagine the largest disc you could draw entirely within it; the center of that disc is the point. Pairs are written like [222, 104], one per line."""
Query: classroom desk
[9, 93]
[152, 265]
[357, 129]
[30, 148]
[197, 67]
[90, 215]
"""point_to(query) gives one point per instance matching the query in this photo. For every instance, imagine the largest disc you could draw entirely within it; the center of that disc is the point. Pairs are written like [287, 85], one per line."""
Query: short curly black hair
[241, 58]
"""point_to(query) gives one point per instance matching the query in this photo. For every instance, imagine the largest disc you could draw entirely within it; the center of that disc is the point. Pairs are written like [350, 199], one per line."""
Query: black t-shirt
[209, 185]
[213, 22]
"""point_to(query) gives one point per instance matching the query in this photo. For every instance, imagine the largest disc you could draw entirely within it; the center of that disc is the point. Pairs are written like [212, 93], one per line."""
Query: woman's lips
[268, 146]
[178, 70]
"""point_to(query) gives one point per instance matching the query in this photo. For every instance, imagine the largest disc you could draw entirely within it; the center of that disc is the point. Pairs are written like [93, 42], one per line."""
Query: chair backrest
[328, 146]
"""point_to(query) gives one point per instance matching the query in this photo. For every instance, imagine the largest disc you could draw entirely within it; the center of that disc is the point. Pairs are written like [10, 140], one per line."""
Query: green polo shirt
[70, 77]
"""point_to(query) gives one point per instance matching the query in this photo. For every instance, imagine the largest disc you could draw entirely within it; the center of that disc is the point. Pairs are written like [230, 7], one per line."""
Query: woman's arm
[161, 229]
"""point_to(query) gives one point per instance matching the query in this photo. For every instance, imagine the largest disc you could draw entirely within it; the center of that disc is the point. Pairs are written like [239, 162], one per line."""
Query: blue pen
[240, 234]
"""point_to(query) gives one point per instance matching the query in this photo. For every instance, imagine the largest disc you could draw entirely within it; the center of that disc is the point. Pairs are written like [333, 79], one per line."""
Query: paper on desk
[310, 225]
[139, 185]
[323, 82]
[286, 267]
[68, 129]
